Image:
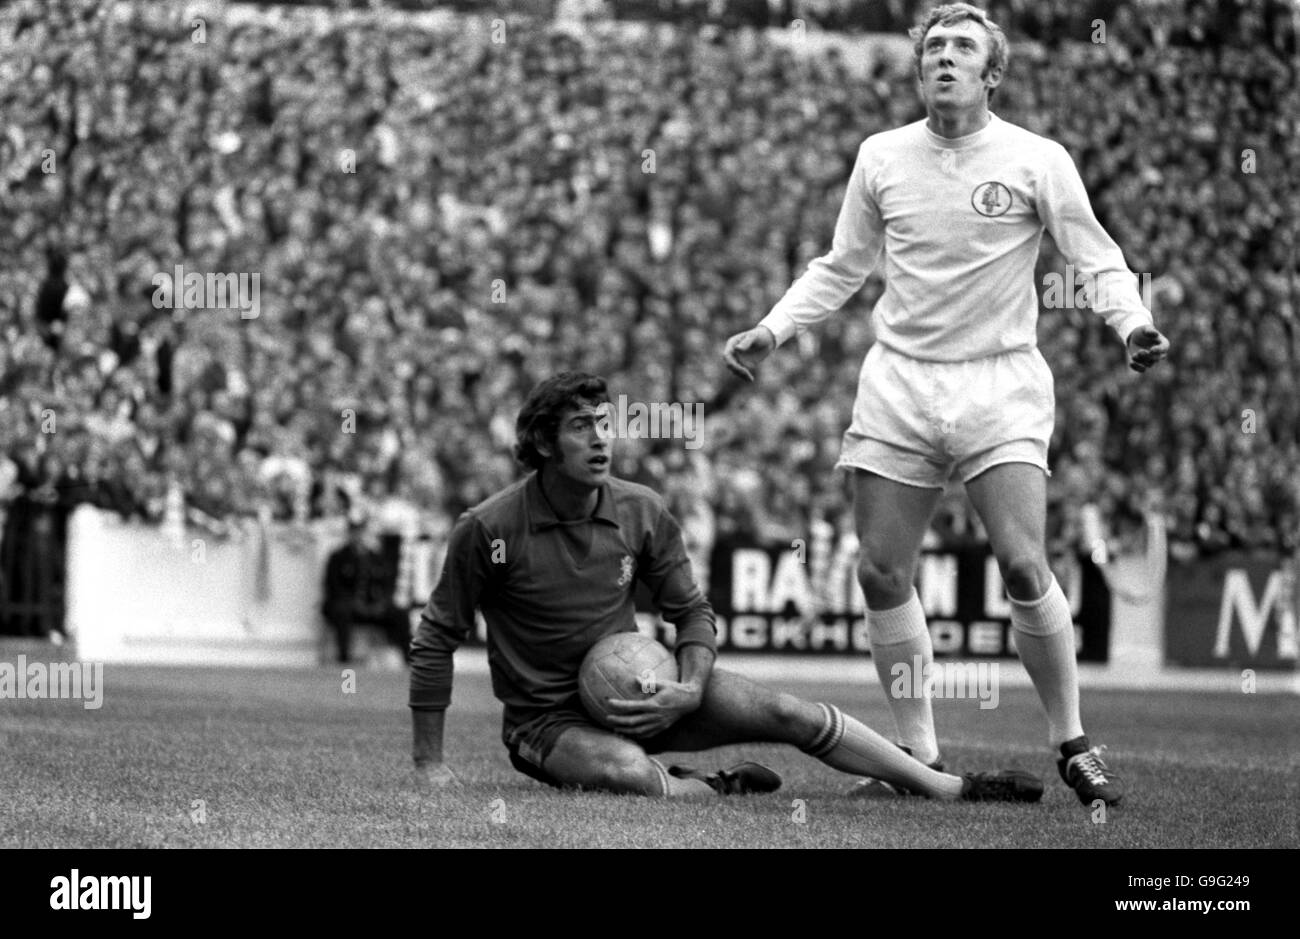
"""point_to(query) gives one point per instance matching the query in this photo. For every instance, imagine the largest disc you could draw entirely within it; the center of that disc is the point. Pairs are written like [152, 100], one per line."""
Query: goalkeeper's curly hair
[539, 418]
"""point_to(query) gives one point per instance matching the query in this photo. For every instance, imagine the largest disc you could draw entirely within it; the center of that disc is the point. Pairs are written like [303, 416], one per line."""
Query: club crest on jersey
[625, 578]
[991, 199]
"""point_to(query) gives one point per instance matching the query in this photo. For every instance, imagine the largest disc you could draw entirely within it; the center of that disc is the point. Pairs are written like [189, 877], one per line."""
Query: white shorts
[919, 422]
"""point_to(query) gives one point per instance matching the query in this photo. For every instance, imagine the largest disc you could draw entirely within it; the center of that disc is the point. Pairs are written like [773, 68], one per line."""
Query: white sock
[851, 746]
[1045, 641]
[899, 636]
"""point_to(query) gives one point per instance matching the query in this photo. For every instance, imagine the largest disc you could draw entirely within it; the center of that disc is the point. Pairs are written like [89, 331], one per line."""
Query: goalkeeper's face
[584, 446]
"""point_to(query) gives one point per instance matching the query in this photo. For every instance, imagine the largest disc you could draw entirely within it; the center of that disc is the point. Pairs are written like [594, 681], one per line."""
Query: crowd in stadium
[1146, 22]
[442, 216]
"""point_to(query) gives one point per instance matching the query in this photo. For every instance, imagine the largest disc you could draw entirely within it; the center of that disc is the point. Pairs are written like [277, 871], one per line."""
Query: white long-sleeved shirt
[956, 224]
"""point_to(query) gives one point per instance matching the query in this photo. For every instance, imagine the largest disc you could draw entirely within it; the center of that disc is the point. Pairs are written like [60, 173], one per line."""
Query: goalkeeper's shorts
[921, 423]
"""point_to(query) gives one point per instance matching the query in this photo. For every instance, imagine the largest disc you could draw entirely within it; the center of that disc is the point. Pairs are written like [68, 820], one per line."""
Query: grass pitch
[254, 758]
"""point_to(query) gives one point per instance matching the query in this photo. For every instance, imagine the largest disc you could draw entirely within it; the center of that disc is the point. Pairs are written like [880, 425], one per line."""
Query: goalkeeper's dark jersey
[549, 589]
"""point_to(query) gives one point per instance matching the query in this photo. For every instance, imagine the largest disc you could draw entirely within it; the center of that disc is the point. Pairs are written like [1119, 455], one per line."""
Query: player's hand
[649, 716]
[744, 351]
[436, 776]
[1146, 347]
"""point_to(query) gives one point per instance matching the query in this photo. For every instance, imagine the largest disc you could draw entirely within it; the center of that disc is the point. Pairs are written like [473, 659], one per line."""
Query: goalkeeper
[551, 561]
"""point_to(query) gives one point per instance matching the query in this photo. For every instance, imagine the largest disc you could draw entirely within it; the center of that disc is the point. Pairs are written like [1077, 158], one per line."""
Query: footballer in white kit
[950, 211]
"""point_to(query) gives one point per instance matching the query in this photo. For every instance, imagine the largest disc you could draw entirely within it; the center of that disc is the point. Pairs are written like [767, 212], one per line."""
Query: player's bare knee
[1027, 577]
[884, 585]
[794, 720]
[627, 769]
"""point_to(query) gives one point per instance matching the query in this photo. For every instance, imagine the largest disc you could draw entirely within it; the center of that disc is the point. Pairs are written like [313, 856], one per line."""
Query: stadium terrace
[69, 680]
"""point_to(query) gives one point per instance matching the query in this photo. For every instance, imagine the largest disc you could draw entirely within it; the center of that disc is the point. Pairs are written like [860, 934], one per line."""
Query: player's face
[953, 66]
[584, 446]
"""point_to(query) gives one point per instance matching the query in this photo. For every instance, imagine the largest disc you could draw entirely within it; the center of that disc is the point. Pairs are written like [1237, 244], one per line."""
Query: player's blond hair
[949, 15]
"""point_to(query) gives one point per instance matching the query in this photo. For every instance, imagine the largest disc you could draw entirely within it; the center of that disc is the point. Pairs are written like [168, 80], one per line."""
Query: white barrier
[136, 595]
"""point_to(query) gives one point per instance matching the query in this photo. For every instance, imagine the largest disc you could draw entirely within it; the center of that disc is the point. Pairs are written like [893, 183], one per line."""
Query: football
[626, 666]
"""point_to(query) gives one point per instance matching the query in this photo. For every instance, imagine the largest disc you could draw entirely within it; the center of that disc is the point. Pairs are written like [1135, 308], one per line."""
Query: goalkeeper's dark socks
[682, 783]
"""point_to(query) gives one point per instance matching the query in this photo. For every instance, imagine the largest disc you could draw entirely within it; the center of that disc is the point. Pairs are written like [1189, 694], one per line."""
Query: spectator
[360, 584]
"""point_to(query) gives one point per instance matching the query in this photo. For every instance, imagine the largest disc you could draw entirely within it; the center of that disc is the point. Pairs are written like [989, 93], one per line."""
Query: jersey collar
[541, 516]
[958, 143]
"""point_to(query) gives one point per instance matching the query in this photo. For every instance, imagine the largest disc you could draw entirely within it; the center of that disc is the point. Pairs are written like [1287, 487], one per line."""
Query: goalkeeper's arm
[444, 624]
